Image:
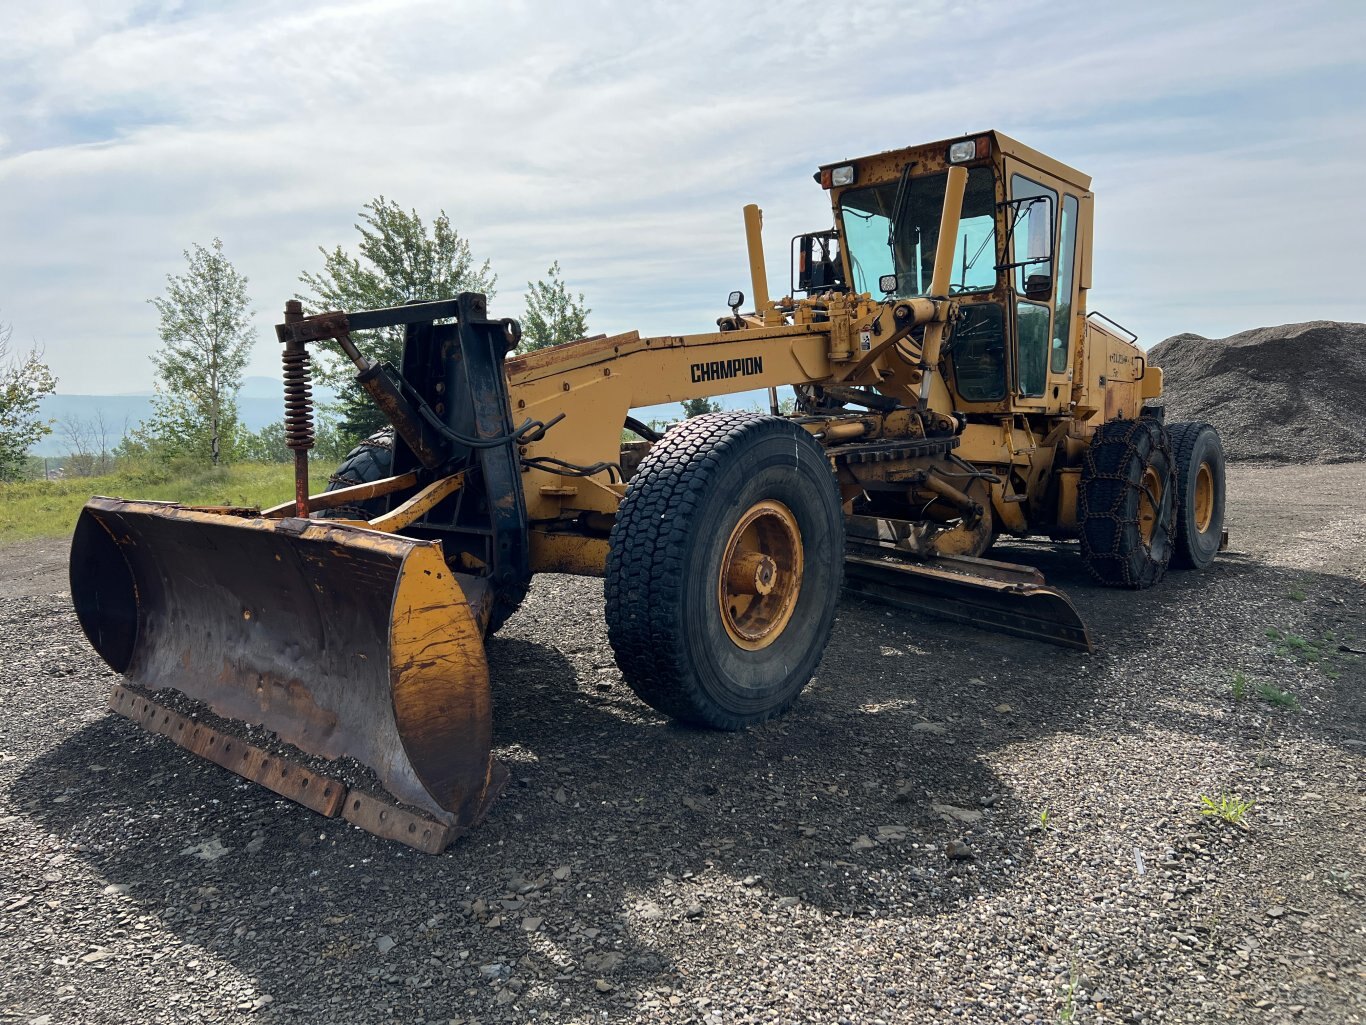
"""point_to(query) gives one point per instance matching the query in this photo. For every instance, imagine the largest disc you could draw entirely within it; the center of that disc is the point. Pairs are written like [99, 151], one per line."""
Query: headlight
[969, 149]
[842, 175]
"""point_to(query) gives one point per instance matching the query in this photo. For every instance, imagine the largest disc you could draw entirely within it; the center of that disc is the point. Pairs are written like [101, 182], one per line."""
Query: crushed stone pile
[1294, 393]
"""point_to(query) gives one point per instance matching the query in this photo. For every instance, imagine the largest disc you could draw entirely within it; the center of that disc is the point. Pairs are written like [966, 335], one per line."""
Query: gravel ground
[950, 825]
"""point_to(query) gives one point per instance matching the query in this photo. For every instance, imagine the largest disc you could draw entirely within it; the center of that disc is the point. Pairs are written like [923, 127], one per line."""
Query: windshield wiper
[903, 192]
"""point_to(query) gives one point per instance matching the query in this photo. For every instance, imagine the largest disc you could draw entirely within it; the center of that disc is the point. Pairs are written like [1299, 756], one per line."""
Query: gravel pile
[950, 826]
[1286, 394]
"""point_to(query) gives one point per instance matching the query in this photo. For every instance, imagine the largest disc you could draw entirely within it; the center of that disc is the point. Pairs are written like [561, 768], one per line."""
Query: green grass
[1227, 808]
[48, 508]
[1265, 691]
[1276, 696]
[1303, 649]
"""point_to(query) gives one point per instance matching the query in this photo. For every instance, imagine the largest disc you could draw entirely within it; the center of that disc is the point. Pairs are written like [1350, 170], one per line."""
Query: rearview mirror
[816, 266]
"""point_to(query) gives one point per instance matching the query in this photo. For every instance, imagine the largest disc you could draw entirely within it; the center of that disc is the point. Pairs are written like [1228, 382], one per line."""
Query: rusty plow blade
[342, 641]
[1000, 596]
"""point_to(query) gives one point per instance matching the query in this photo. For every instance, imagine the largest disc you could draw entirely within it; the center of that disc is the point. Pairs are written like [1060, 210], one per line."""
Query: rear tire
[1199, 494]
[1127, 503]
[366, 463]
[724, 569]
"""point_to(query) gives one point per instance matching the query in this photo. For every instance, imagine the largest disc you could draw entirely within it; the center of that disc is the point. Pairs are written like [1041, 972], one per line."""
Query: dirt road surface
[950, 825]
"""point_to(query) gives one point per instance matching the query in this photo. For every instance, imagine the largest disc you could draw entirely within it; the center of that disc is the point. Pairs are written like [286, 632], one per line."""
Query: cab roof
[1001, 143]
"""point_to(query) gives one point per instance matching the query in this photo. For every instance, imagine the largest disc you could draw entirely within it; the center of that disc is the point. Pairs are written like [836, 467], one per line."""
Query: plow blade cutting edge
[997, 596]
[344, 642]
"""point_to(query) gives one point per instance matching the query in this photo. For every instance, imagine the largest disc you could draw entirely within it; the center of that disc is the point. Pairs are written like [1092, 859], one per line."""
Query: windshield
[867, 215]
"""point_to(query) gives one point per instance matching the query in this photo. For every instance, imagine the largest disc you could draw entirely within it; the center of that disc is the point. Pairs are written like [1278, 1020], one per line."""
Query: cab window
[1067, 255]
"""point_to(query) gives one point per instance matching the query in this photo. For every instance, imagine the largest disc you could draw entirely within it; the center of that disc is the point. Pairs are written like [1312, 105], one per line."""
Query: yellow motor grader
[951, 389]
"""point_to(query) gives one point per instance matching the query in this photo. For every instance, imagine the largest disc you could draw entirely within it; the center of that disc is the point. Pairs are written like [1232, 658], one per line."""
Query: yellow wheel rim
[760, 575]
[1149, 503]
[1203, 504]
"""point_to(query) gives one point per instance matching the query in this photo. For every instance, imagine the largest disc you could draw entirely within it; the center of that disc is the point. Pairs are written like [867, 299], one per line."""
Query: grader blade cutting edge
[997, 596]
[344, 642]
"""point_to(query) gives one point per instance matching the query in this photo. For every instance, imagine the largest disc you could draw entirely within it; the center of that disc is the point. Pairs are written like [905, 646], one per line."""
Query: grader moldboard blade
[344, 642]
[1000, 596]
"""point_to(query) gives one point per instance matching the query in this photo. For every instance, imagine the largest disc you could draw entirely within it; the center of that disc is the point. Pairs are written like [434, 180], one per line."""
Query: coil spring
[298, 399]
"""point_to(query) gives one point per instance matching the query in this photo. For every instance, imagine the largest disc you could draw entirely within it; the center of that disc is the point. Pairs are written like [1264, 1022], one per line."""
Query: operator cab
[1016, 271]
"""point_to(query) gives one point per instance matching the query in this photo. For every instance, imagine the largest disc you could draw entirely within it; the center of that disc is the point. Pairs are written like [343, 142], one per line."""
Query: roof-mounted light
[969, 149]
[842, 175]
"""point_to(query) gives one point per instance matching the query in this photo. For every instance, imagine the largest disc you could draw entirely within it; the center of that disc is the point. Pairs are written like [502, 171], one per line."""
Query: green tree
[24, 380]
[553, 316]
[267, 445]
[700, 407]
[206, 337]
[398, 260]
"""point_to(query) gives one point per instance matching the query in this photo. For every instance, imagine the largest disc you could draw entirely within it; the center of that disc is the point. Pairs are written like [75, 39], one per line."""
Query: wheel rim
[1149, 503]
[1204, 498]
[760, 575]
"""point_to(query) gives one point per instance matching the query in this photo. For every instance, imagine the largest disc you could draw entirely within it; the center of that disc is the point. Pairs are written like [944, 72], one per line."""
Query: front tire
[1199, 494]
[724, 569]
[1127, 503]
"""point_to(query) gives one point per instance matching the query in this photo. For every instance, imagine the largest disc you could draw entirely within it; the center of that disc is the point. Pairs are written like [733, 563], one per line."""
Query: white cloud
[623, 139]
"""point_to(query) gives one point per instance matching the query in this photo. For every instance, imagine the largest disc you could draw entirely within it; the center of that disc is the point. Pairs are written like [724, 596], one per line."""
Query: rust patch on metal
[411, 827]
[288, 778]
[377, 816]
[284, 776]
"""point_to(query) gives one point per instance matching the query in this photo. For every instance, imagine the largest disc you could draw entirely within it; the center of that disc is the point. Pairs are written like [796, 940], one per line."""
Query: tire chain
[1124, 435]
[381, 441]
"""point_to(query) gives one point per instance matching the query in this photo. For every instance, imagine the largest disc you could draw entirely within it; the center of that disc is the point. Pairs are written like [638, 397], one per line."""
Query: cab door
[1031, 223]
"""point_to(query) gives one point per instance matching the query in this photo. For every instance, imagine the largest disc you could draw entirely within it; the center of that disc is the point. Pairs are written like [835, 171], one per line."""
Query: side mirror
[1038, 286]
[816, 265]
[1029, 245]
[735, 300]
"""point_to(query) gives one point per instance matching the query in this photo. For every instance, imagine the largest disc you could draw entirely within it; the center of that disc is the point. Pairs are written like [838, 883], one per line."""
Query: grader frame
[723, 540]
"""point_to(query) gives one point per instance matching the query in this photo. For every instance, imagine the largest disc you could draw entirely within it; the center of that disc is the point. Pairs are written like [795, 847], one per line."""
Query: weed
[1296, 595]
[1068, 1011]
[1239, 687]
[1045, 820]
[1299, 647]
[1341, 881]
[1276, 696]
[1227, 808]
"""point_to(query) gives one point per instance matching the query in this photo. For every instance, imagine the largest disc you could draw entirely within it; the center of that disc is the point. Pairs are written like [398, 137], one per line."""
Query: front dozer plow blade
[344, 642]
[999, 596]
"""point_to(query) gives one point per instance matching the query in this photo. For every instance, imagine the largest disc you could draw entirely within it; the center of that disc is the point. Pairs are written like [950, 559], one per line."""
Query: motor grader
[951, 389]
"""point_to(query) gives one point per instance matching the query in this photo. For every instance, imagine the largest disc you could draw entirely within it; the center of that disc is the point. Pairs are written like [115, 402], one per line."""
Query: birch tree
[206, 337]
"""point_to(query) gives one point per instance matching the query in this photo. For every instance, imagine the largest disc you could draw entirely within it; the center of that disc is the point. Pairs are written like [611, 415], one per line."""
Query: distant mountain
[260, 402]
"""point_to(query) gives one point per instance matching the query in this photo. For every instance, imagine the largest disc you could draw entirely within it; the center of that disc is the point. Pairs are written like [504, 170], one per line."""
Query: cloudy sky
[1227, 143]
